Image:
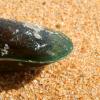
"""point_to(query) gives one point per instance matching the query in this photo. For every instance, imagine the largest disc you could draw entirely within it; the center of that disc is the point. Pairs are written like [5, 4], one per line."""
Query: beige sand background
[75, 78]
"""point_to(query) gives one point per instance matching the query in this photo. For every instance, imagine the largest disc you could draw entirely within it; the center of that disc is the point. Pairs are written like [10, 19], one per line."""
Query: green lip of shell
[67, 51]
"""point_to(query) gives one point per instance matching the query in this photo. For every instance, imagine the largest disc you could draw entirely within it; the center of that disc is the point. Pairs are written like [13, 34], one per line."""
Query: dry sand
[75, 78]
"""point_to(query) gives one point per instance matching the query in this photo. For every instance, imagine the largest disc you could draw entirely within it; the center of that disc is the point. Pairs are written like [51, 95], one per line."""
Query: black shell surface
[31, 43]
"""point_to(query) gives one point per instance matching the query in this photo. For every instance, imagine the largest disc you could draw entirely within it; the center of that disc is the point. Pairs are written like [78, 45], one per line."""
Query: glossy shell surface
[26, 42]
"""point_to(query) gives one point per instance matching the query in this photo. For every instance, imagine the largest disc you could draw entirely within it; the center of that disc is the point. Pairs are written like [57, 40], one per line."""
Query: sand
[77, 77]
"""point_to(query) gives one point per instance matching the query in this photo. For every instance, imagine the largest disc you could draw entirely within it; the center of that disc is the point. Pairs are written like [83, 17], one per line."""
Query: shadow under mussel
[13, 76]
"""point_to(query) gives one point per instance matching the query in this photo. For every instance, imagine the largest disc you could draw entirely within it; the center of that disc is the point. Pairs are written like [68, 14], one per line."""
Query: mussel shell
[25, 42]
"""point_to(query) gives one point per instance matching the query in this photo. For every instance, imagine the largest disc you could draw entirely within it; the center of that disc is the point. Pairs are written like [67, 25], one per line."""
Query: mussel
[25, 43]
